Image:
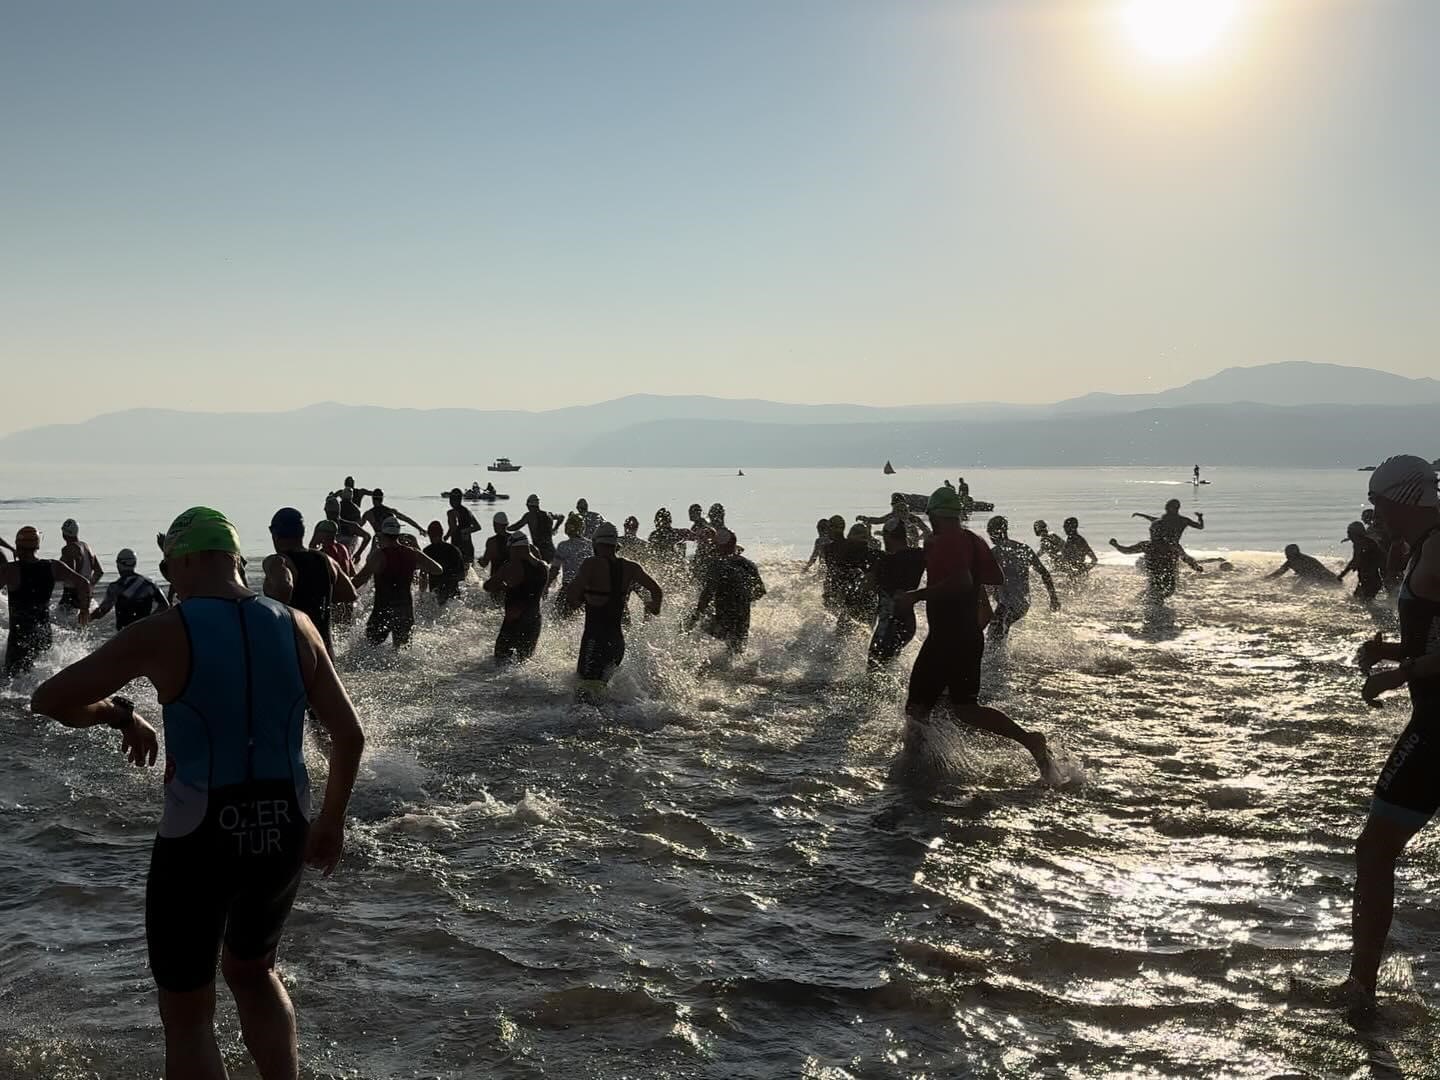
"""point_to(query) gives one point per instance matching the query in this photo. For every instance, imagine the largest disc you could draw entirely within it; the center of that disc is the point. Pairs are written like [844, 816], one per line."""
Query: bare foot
[1040, 750]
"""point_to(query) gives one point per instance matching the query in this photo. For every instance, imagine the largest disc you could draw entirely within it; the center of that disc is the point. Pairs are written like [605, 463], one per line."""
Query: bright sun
[1171, 31]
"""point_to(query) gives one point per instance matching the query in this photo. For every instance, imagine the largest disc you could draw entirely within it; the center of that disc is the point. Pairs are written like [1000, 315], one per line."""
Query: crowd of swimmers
[237, 673]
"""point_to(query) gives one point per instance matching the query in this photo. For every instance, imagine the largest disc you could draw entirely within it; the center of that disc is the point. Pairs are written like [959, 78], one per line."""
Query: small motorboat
[503, 464]
[475, 494]
[918, 503]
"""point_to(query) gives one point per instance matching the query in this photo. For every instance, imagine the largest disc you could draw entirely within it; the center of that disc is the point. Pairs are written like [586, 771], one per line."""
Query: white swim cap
[1405, 479]
[390, 527]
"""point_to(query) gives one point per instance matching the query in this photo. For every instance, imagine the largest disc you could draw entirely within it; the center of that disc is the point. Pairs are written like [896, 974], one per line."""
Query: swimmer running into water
[957, 565]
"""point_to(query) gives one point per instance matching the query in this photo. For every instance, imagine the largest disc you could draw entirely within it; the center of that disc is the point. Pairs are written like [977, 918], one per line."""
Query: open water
[715, 875]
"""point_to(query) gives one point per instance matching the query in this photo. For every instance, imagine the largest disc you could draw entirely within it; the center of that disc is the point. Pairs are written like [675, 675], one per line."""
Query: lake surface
[715, 876]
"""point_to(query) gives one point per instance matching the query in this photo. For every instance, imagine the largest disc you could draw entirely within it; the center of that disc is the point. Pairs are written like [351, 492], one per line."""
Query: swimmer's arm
[372, 565]
[1425, 581]
[580, 583]
[342, 589]
[1039, 568]
[429, 565]
[646, 582]
[279, 582]
[336, 714]
[68, 578]
[921, 524]
[1277, 573]
[97, 569]
[1147, 517]
[1089, 552]
[7, 546]
[410, 521]
[1197, 523]
[1127, 549]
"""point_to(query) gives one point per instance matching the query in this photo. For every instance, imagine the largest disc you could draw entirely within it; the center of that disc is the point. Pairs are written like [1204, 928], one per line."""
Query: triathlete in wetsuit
[353, 533]
[378, 512]
[957, 564]
[392, 564]
[462, 528]
[1407, 793]
[847, 562]
[630, 541]
[132, 596]
[77, 555]
[541, 524]
[731, 586]
[1077, 557]
[1051, 546]
[1305, 567]
[667, 543]
[916, 530]
[603, 584]
[1171, 525]
[898, 571]
[29, 583]
[446, 587]
[309, 581]
[234, 673]
[521, 581]
[1160, 561]
[570, 555]
[1012, 598]
[589, 520]
[1367, 563]
[497, 545]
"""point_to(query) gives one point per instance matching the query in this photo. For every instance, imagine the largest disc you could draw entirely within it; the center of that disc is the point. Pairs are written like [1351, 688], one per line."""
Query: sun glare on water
[1174, 31]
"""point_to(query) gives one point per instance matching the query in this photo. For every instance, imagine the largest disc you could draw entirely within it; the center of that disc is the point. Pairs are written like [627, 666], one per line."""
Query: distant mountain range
[1275, 414]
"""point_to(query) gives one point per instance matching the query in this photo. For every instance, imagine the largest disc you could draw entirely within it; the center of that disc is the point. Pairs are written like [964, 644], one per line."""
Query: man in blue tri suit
[234, 674]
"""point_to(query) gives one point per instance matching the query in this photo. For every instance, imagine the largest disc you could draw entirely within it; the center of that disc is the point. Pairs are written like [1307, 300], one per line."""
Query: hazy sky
[258, 205]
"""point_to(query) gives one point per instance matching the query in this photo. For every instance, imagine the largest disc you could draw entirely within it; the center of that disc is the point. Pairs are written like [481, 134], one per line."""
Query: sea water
[715, 875]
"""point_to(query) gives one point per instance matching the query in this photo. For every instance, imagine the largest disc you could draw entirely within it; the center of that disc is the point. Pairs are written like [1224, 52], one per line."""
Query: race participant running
[1016, 561]
[847, 562]
[327, 541]
[1305, 567]
[1171, 525]
[1367, 563]
[392, 563]
[703, 536]
[497, 545]
[824, 535]
[957, 565]
[732, 586]
[667, 543]
[77, 555]
[234, 673]
[589, 520]
[1408, 792]
[353, 533]
[131, 596]
[1077, 557]
[1051, 546]
[462, 527]
[630, 541]
[1160, 562]
[570, 555]
[541, 524]
[29, 583]
[916, 530]
[896, 572]
[446, 587]
[308, 581]
[521, 582]
[603, 585]
[376, 515]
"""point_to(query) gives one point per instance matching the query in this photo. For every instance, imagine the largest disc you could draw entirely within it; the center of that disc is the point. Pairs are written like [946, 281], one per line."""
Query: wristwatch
[127, 709]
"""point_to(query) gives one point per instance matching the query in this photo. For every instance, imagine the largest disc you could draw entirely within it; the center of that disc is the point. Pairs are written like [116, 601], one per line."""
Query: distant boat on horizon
[889, 469]
[502, 464]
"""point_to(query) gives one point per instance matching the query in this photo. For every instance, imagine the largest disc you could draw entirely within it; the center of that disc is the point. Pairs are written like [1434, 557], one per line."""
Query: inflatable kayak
[973, 506]
[477, 496]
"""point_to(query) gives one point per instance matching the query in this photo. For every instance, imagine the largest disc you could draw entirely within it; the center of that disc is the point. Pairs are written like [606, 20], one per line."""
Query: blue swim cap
[287, 524]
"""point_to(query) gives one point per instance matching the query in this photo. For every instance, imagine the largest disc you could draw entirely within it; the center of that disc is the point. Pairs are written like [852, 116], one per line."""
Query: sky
[530, 205]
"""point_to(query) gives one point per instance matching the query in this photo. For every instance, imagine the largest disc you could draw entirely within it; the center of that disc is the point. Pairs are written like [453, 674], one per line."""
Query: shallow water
[716, 877]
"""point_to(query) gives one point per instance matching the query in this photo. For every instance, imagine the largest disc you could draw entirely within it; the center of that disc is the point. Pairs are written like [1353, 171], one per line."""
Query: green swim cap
[944, 502]
[201, 529]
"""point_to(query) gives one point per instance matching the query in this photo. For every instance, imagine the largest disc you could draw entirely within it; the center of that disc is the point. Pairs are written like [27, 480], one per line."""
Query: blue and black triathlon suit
[227, 862]
[897, 572]
[312, 589]
[520, 628]
[602, 645]
[29, 615]
[1408, 790]
[133, 596]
